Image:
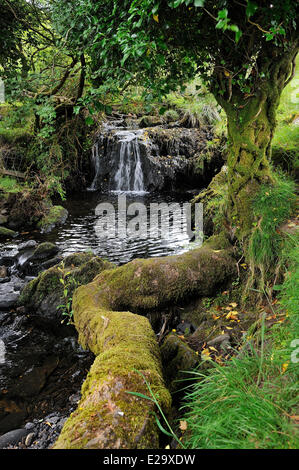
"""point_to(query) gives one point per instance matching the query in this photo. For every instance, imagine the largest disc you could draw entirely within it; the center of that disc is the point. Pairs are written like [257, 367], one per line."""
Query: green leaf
[199, 3]
[223, 13]
[89, 121]
[137, 394]
[251, 8]
[161, 427]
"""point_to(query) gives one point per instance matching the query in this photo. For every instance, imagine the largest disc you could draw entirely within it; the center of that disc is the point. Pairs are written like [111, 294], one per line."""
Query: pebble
[29, 439]
[29, 426]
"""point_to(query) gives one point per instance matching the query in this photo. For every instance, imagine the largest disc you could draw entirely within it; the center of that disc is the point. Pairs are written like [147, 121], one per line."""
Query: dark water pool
[81, 232]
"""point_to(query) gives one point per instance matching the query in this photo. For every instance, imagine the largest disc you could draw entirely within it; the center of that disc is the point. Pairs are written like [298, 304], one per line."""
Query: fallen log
[107, 416]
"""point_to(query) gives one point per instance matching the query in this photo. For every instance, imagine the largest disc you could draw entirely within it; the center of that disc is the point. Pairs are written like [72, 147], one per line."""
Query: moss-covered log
[107, 416]
[145, 284]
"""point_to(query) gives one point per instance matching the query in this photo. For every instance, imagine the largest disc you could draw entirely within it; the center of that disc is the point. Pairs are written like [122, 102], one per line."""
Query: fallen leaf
[285, 366]
[183, 425]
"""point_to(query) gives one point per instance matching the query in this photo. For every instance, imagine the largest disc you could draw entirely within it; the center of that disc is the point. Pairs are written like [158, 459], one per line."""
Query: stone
[3, 271]
[29, 426]
[44, 294]
[44, 251]
[29, 439]
[219, 340]
[13, 437]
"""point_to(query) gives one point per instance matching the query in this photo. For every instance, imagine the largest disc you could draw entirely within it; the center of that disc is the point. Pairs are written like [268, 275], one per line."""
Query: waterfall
[116, 159]
[96, 164]
[129, 175]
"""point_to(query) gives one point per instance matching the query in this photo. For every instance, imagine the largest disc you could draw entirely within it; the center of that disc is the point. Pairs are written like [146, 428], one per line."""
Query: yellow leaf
[213, 349]
[226, 73]
[156, 18]
[285, 366]
[206, 352]
[233, 304]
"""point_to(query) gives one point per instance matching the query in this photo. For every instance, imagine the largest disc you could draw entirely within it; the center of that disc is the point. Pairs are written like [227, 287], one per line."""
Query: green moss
[48, 282]
[218, 242]
[124, 342]
[14, 136]
[45, 250]
[145, 284]
[9, 185]
[56, 216]
[7, 233]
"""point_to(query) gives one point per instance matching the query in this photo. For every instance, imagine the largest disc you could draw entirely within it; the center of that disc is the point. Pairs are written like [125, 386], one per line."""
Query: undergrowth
[252, 401]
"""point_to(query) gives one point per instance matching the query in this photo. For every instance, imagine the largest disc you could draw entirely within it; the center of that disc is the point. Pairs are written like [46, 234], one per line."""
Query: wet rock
[150, 121]
[29, 426]
[8, 298]
[7, 233]
[44, 251]
[13, 437]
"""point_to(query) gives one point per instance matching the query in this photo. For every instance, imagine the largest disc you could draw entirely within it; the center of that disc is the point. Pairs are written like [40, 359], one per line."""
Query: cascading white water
[129, 176]
[96, 164]
[118, 152]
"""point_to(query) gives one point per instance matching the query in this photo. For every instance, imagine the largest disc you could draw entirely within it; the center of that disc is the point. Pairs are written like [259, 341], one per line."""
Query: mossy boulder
[7, 233]
[44, 251]
[44, 294]
[108, 417]
[57, 215]
[150, 121]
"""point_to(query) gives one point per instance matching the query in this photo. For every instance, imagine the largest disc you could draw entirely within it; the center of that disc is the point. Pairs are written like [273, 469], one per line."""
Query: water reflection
[79, 232]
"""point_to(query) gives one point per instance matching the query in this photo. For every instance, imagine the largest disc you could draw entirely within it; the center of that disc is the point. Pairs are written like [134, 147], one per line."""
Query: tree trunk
[251, 122]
